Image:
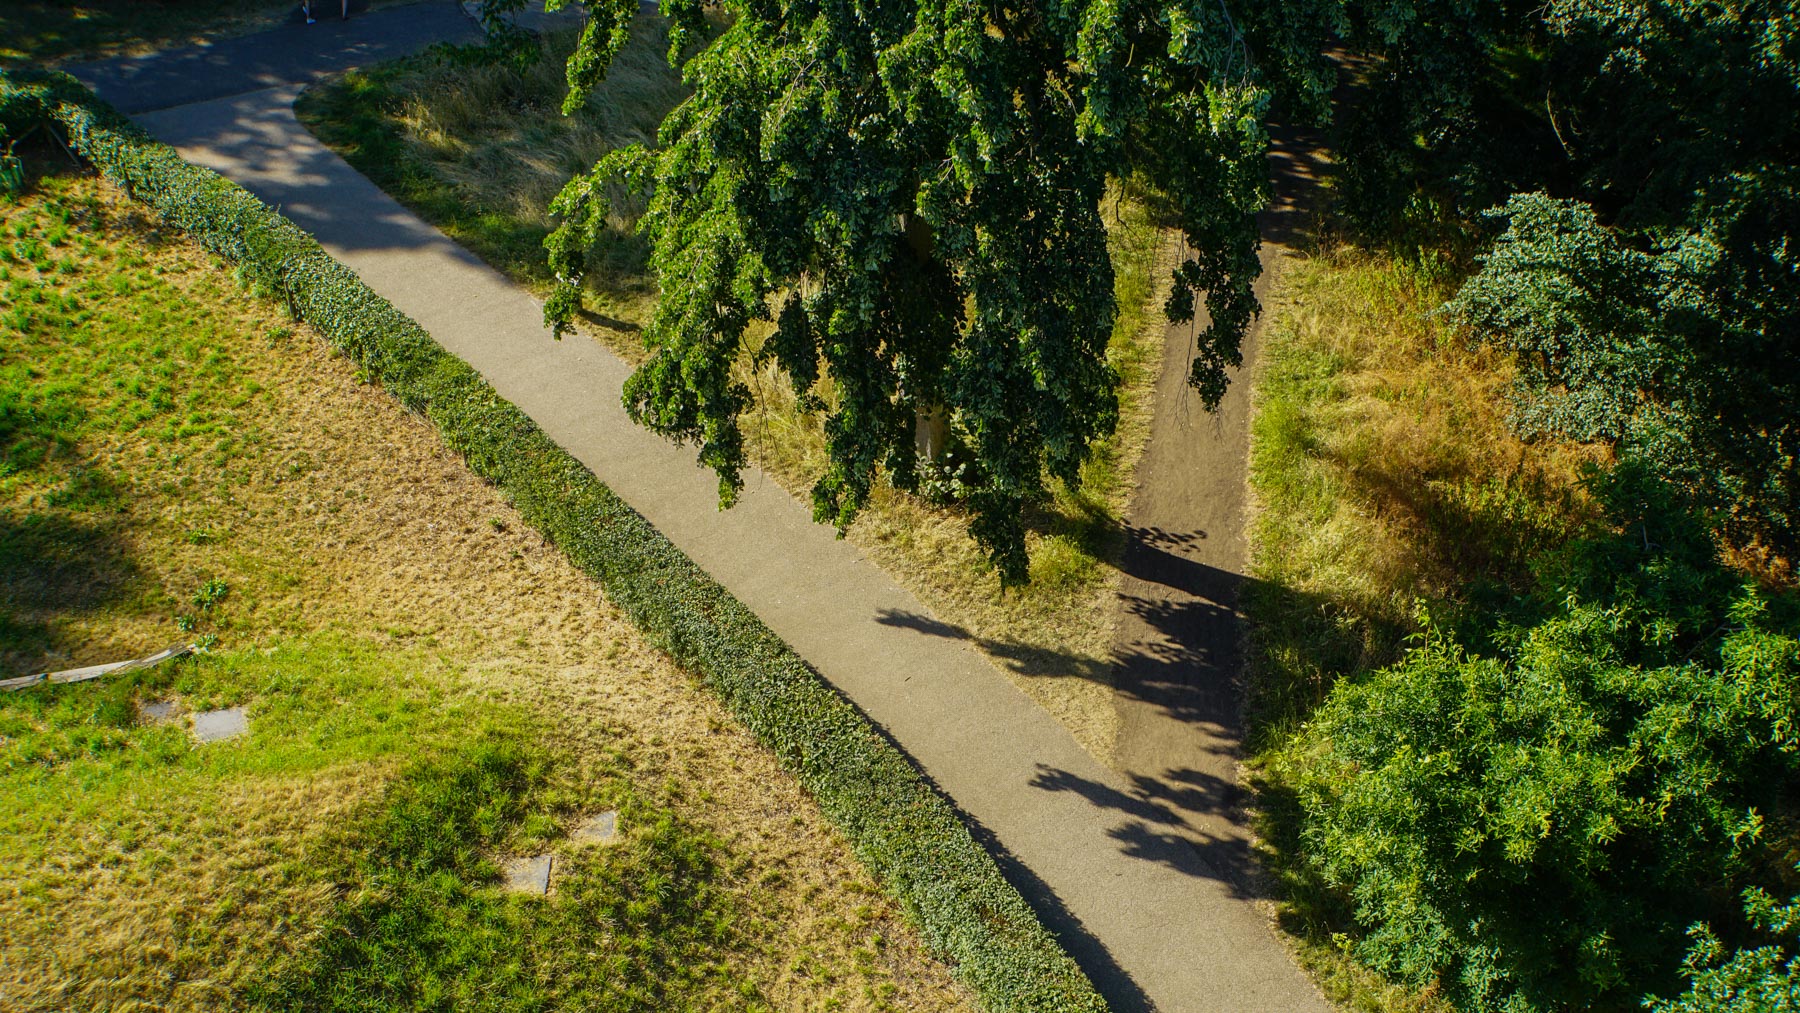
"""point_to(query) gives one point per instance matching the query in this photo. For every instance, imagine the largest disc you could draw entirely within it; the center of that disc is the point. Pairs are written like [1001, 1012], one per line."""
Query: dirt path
[1178, 646]
[1156, 925]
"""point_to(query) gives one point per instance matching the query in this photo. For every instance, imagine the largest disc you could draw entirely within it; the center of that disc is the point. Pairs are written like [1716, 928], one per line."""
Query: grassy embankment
[430, 688]
[479, 152]
[1384, 476]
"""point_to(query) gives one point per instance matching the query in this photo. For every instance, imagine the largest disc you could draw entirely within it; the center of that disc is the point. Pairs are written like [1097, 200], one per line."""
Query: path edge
[900, 826]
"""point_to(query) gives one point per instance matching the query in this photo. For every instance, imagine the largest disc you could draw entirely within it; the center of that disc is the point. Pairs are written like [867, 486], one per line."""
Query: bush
[908, 835]
[1533, 828]
[1761, 979]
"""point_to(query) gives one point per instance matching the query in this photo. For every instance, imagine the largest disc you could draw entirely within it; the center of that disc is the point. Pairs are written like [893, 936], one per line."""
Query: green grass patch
[342, 854]
[908, 835]
[104, 349]
[421, 921]
[642, 923]
[1385, 478]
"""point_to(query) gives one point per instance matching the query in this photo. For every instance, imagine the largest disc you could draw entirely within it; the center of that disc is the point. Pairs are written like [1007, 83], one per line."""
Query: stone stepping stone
[602, 828]
[157, 712]
[216, 726]
[530, 874]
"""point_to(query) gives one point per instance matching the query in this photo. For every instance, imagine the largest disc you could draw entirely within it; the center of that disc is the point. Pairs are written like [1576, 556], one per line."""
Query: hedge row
[906, 833]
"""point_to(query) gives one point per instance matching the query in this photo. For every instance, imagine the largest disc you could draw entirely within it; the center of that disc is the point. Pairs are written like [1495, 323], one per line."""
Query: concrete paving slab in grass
[598, 829]
[529, 874]
[219, 725]
[1155, 915]
[157, 712]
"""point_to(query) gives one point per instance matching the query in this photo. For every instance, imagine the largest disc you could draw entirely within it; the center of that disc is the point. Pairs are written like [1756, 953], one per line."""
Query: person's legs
[306, 11]
[344, 9]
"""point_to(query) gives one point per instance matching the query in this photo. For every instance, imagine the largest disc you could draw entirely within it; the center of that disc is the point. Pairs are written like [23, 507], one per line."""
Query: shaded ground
[1178, 660]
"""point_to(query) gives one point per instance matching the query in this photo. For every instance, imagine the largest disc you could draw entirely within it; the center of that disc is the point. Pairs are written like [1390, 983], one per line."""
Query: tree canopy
[909, 195]
[1532, 822]
[1647, 274]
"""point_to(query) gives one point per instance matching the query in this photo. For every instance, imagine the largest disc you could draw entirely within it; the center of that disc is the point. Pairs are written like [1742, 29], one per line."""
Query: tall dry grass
[1385, 475]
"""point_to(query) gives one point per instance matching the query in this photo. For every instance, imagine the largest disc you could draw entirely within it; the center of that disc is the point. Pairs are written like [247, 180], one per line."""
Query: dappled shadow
[1155, 831]
[293, 53]
[1300, 169]
[1191, 676]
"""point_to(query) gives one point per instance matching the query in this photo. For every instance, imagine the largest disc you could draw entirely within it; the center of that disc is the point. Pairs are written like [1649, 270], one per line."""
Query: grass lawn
[1384, 477]
[479, 152]
[430, 690]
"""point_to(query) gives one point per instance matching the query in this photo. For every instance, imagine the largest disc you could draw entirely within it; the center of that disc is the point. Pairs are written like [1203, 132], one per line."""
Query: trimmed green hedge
[906, 833]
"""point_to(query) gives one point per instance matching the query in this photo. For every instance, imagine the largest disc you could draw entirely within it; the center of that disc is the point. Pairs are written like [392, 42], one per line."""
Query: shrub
[908, 835]
[1761, 979]
[1532, 828]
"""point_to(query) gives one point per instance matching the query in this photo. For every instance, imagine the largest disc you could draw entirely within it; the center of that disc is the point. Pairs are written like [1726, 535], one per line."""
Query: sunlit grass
[179, 462]
[1384, 477]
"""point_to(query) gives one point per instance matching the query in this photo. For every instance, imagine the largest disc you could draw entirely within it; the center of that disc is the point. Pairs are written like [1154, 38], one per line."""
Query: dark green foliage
[909, 193]
[1759, 979]
[640, 925]
[1445, 123]
[1648, 274]
[1534, 824]
[1685, 354]
[906, 833]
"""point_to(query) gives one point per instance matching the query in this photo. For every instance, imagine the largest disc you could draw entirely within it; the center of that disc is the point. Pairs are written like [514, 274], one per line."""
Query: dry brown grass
[338, 515]
[1384, 468]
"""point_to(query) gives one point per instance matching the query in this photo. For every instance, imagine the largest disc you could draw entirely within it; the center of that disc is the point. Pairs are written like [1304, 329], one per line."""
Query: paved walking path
[1152, 919]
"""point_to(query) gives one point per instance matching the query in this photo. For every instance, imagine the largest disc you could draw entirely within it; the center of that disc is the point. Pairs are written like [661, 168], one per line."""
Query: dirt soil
[1177, 649]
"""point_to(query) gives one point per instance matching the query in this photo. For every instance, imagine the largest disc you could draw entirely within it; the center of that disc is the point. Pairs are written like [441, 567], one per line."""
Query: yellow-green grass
[430, 688]
[479, 152]
[1384, 479]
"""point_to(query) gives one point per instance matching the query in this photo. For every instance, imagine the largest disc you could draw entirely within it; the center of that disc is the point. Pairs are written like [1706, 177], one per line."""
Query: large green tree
[910, 193]
[1531, 819]
[1648, 274]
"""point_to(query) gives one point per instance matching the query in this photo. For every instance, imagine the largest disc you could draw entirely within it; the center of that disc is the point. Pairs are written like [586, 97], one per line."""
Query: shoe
[312, 21]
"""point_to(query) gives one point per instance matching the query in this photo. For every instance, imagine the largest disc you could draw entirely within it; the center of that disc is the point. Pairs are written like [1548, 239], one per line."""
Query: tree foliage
[906, 197]
[1648, 272]
[1684, 353]
[1754, 979]
[1533, 823]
